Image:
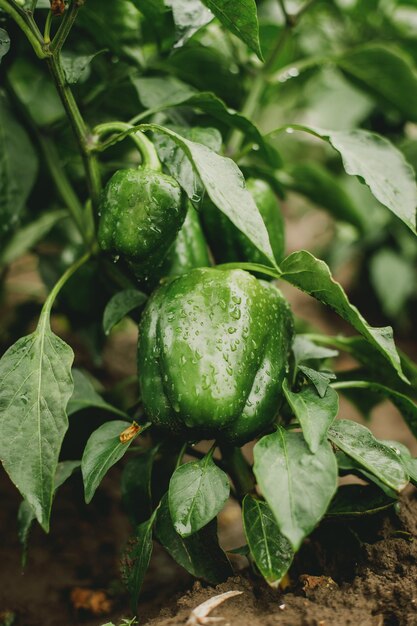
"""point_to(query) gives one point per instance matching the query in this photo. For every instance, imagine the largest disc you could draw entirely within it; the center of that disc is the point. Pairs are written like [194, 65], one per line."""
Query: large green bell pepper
[229, 244]
[213, 353]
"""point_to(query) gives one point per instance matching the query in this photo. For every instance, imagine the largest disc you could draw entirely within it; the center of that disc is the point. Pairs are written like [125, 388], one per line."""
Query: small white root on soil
[199, 615]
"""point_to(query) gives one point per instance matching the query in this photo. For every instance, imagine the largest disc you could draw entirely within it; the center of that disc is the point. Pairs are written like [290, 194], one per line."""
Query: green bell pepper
[141, 210]
[189, 249]
[212, 355]
[229, 244]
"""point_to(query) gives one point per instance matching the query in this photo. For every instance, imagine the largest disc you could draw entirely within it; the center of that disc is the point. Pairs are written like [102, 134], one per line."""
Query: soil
[361, 572]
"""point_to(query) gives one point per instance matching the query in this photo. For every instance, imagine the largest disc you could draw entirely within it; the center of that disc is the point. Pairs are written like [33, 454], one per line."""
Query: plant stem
[351, 384]
[146, 148]
[254, 96]
[239, 470]
[46, 309]
[28, 25]
[79, 128]
[62, 184]
[65, 27]
[47, 31]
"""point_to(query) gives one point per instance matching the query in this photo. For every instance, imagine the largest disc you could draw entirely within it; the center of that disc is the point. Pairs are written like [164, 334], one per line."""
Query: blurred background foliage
[343, 64]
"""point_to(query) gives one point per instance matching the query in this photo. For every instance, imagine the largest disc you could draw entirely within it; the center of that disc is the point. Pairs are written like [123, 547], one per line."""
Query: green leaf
[150, 8]
[85, 396]
[16, 156]
[120, 305]
[26, 515]
[380, 460]
[358, 500]
[36, 92]
[27, 236]
[320, 380]
[306, 350]
[76, 65]
[135, 485]
[270, 550]
[161, 93]
[377, 163]
[315, 414]
[327, 192]
[394, 280]
[348, 465]
[136, 559]
[297, 485]
[386, 72]
[179, 165]
[404, 454]
[35, 386]
[240, 17]
[313, 276]
[102, 451]
[4, 43]
[189, 16]
[225, 185]
[404, 404]
[197, 492]
[199, 554]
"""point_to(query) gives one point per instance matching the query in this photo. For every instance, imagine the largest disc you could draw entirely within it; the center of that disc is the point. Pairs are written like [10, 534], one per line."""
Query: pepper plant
[146, 150]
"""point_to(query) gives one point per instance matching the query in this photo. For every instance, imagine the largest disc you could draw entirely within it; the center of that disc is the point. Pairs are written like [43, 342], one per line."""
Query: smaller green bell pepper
[229, 244]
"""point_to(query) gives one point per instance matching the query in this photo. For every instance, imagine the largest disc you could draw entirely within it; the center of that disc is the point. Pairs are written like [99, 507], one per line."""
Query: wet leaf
[297, 485]
[270, 550]
[197, 492]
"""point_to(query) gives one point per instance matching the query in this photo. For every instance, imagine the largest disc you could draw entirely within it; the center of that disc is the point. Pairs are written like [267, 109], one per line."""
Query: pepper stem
[146, 148]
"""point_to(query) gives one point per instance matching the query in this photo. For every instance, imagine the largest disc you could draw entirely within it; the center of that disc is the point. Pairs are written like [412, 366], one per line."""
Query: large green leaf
[199, 554]
[406, 406]
[314, 413]
[158, 93]
[104, 448]
[297, 485]
[136, 559]
[35, 386]
[85, 396]
[189, 16]
[358, 500]
[76, 66]
[36, 91]
[386, 72]
[240, 17]
[394, 279]
[17, 156]
[120, 305]
[270, 550]
[313, 276]
[179, 165]
[377, 163]
[27, 236]
[326, 191]
[197, 492]
[226, 187]
[358, 442]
